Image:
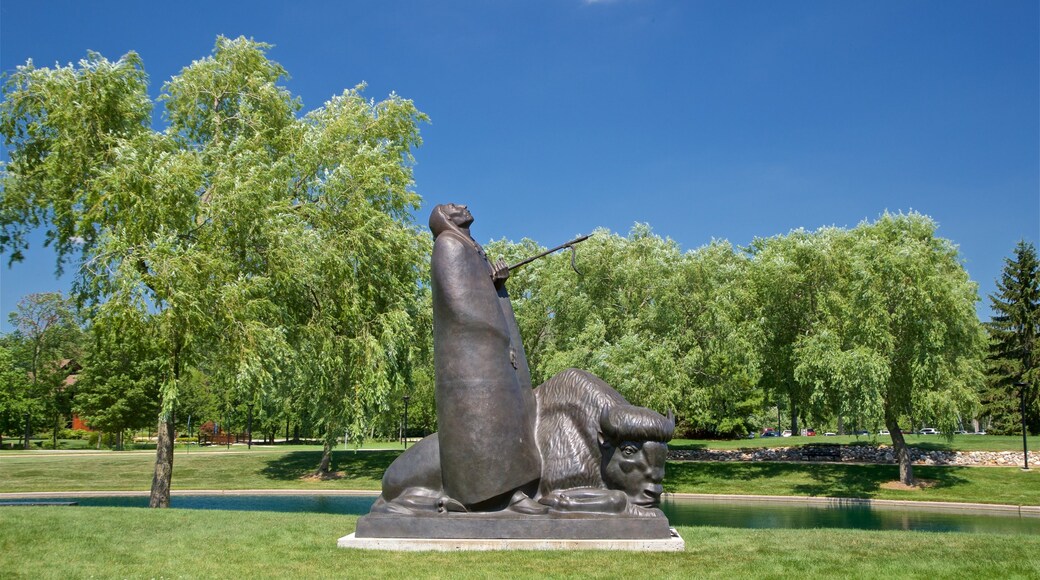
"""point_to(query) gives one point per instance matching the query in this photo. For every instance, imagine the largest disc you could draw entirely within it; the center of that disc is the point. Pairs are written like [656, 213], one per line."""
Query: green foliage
[667, 329]
[119, 386]
[794, 278]
[1014, 355]
[898, 340]
[15, 390]
[44, 349]
[236, 238]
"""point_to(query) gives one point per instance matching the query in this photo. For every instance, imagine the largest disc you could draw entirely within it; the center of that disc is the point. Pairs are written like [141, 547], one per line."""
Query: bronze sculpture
[570, 459]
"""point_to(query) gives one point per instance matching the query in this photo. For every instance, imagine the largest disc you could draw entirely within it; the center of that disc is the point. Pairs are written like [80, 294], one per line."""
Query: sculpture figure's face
[637, 468]
[459, 215]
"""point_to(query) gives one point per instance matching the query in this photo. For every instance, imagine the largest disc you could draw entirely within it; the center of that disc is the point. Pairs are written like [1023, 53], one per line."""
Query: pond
[680, 511]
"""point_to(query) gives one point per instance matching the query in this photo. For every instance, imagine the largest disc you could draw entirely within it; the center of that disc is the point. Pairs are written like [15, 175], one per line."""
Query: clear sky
[718, 119]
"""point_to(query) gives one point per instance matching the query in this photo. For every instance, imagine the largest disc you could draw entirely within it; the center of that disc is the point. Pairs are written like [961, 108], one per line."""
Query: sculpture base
[674, 543]
[511, 526]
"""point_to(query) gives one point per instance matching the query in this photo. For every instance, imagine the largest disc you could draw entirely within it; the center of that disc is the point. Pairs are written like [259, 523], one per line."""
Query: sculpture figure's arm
[586, 499]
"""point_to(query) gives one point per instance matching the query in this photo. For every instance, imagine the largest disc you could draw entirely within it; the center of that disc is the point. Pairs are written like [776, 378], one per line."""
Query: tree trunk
[28, 429]
[326, 459]
[906, 468]
[794, 417]
[160, 496]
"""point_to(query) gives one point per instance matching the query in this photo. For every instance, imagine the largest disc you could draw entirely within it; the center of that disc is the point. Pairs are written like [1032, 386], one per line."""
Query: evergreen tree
[1013, 356]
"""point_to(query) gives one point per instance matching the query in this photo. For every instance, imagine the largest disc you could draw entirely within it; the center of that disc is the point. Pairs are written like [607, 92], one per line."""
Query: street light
[406, 397]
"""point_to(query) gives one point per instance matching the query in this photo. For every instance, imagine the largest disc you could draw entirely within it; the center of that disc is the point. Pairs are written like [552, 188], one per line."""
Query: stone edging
[855, 454]
[892, 504]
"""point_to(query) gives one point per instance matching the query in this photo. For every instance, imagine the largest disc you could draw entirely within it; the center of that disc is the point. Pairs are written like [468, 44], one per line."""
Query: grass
[73, 542]
[280, 468]
[1002, 485]
[929, 442]
[11, 445]
[285, 468]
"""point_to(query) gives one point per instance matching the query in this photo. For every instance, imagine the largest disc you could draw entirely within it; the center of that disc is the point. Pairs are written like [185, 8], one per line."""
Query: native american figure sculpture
[572, 446]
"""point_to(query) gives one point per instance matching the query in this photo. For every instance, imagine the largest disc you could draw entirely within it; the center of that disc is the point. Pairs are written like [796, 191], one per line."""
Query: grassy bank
[929, 442]
[1002, 485]
[280, 468]
[71, 542]
[287, 468]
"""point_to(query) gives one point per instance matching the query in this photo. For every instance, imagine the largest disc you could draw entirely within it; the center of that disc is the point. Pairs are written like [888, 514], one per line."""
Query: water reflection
[763, 515]
[680, 511]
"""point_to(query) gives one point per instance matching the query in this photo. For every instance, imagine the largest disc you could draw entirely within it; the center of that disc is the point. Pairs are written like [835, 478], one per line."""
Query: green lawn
[270, 468]
[74, 542]
[1002, 485]
[284, 468]
[10, 446]
[930, 442]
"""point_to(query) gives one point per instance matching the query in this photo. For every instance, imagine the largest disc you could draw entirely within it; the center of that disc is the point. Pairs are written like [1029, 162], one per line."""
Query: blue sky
[704, 119]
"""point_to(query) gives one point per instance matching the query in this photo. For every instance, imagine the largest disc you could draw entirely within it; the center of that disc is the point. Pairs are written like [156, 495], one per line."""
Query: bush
[74, 434]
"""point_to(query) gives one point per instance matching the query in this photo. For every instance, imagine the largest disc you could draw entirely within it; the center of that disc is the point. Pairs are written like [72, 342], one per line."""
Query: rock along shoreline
[856, 454]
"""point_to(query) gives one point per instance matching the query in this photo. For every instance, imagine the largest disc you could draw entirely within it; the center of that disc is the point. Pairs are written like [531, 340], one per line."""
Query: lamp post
[406, 397]
[1025, 448]
[249, 427]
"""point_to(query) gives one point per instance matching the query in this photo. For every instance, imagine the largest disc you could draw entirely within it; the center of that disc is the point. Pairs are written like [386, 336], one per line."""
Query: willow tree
[900, 342]
[789, 277]
[667, 329]
[234, 230]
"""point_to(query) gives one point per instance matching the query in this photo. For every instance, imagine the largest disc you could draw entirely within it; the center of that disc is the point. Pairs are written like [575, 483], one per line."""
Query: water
[680, 511]
[758, 515]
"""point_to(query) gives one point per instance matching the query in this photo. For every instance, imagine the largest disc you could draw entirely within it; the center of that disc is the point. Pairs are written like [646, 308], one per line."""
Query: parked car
[883, 432]
[829, 434]
[979, 433]
[810, 432]
[960, 432]
[770, 433]
[786, 433]
[861, 432]
[929, 431]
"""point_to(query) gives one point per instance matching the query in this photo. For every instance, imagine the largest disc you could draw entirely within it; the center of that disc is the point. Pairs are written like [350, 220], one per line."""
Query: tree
[15, 390]
[50, 337]
[790, 275]
[241, 233]
[900, 339]
[121, 374]
[669, 330]
[1014, 354]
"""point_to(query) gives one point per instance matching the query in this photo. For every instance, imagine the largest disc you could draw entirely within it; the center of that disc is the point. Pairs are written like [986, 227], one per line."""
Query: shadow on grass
[828, 480]
[354, 464]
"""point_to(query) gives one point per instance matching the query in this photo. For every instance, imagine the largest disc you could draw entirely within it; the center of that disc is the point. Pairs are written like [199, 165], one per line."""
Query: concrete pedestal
[511, 531]
[674, 543]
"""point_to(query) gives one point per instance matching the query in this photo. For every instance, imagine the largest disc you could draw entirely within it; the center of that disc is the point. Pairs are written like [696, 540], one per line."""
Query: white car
[883, 432]
[929, 431]
[786, 433]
